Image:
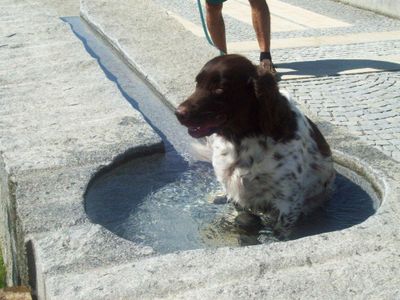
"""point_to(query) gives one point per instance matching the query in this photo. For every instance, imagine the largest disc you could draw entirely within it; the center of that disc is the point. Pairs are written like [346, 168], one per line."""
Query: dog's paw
[248, 222]
[218, 198]
[267, 236]
[282, 234]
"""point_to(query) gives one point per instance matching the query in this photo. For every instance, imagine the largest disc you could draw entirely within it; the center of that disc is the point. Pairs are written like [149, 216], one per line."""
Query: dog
[268, 156]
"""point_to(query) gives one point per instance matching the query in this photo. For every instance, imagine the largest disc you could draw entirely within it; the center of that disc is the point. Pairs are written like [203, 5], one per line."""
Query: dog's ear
[274, 114]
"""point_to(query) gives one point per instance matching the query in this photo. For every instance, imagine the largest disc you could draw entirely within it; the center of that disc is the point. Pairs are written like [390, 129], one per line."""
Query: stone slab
[62, 122]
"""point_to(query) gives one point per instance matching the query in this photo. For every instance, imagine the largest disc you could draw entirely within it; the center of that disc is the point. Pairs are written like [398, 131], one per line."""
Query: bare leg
[216, 25]
[261, 23]
[262, 26]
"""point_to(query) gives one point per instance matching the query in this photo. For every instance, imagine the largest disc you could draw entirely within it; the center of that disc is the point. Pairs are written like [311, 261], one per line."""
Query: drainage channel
[162, 200]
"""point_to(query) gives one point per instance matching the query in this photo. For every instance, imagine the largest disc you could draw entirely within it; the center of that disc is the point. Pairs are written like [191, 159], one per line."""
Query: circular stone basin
[166, 203]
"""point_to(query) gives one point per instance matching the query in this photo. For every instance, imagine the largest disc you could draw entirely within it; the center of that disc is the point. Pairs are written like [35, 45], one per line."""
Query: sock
[265, 55]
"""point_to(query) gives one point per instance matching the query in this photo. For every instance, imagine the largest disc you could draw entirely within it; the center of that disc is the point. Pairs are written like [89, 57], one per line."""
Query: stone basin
[143, 267]
[165, 202]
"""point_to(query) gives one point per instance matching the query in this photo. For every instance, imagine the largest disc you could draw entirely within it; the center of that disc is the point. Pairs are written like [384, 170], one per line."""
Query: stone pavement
[63, 120]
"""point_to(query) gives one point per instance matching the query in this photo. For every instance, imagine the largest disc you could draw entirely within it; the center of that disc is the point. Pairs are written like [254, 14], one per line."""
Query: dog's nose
[182, 113]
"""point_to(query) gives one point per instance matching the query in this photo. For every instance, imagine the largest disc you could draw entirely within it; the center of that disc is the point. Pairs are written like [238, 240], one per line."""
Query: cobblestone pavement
[367, 105]
[349, 74]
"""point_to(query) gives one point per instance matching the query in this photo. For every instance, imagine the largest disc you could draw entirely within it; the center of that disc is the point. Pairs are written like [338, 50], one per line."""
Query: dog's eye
[218, 91]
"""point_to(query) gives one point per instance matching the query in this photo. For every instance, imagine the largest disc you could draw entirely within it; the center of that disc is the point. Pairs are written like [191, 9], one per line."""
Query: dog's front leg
[219, 197]
[288, 216]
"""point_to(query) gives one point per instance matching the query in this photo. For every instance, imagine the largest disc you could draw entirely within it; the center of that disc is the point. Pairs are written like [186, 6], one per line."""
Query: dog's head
[232, 97]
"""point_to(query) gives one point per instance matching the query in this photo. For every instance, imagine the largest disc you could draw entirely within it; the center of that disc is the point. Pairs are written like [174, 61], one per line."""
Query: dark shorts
[215, 1]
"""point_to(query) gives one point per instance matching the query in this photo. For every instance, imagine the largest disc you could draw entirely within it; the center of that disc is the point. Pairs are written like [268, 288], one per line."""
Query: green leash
[205, 30]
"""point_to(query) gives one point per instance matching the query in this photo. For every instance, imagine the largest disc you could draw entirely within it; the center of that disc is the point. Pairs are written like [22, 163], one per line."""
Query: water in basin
[164, 202]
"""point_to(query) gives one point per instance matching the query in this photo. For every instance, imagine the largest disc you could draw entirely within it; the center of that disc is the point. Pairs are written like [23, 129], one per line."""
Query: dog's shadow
[331, 67]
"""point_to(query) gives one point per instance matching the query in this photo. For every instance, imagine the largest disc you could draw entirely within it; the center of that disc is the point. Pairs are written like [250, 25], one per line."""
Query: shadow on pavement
[334, 67]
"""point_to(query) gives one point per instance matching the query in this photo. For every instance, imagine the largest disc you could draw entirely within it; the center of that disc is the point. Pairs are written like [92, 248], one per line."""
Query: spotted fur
[268, 156]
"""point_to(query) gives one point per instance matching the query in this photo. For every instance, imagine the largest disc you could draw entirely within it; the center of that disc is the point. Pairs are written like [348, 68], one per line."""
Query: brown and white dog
[269, 157]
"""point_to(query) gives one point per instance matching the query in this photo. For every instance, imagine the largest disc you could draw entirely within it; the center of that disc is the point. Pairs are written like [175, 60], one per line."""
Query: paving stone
[362, 112]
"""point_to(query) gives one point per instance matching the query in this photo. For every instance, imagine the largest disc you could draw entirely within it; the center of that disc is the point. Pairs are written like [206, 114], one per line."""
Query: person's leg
[216, 25]
[262, 26]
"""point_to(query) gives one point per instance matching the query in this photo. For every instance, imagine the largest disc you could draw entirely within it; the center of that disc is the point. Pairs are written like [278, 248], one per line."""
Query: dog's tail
[202, 149]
